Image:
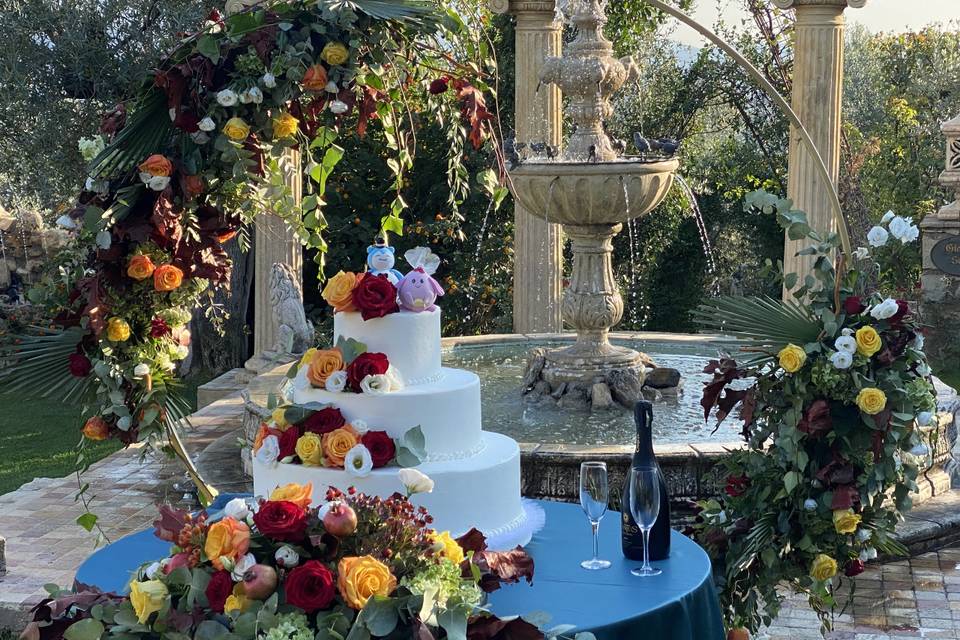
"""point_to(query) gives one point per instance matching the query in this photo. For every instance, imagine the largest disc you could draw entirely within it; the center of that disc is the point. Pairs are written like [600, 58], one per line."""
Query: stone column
[940, 280]
[538, 245]
[274, 242]
[817, 97]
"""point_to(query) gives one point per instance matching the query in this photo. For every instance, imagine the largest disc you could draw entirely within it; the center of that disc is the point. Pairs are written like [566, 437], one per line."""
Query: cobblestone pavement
[917, 598]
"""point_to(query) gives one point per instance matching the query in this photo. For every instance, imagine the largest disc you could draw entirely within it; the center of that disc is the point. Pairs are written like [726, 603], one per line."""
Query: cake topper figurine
[380, 260]
[418, 290]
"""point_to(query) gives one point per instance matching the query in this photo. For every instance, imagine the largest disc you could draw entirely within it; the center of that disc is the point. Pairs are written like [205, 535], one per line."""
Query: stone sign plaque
[946, 255]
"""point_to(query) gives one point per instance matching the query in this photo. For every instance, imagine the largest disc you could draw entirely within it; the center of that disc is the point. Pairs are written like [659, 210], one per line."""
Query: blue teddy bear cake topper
[380, 260]
[418, 291]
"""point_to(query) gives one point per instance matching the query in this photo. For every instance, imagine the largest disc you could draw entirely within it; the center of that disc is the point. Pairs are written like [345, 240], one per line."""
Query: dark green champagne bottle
[630, 535]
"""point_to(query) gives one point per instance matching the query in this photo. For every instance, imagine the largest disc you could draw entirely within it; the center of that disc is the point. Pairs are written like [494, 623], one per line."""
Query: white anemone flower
[287, 557]
[336, 381]
[415, 481]
[375, 385]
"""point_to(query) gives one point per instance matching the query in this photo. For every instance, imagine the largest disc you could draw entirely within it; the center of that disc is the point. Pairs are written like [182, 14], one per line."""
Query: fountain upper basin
[582, 193]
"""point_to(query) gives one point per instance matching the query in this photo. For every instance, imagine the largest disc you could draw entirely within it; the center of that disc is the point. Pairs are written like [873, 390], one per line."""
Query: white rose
[375, 385]
[886, 309]
[158, 183]
[233, 6]
[846, 344]
[924, 418]
[200, 137]
[358, 462]
[287, 557]
[841, 359]
[241, 566]
[396, 380]
[337, 381]
[253, 95]
[269, 451]
[332, 87]
[360, 426]
[877, 237]
[237, 509]
[207, 124]
[887, 217]
[911, 234]
[899, 226]
[141, 370]
[153, 570]
[415, 482]
[227, 98]
[861, 253]
[269, 80]
[338, 107]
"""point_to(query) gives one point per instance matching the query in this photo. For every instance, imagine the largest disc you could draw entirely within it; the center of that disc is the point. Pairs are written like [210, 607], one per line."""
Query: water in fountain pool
[677, 420]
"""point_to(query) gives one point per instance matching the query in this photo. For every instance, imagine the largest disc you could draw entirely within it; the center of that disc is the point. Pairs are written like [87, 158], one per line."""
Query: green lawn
[38, 437]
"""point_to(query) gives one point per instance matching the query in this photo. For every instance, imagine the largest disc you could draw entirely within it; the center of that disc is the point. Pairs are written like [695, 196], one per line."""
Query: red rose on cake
[324, 421]
[281, 520]
[381, 447]
[366, 364]
[375, 296]
[288, 442]
[218, 590]
[310, 586]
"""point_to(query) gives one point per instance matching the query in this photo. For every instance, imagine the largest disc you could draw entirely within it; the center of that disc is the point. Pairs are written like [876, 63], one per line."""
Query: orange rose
[299, 494]
[140, 267]
[96, 428]
[156, 165]
[167, 277]
[262, 433]
[361, 578]
[227, 538]
[315, 79]
[325, 362]
[337, 444]
[339, 291]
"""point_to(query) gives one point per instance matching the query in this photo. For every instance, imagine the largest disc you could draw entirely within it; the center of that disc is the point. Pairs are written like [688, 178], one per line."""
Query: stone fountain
[591, 191]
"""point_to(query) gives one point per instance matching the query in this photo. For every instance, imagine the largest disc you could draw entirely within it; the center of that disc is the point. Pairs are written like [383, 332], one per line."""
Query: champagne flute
[645, 507]
[594, 494]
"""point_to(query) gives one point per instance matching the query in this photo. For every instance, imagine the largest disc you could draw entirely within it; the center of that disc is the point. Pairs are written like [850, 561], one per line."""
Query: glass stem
[646, 549]
[596, 539]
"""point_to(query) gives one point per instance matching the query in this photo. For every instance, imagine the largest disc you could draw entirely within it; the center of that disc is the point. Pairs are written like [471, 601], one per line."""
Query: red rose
[281, 520]
[80, 365]
[288, 442]
[366, 364]
[375, 296]
[853, 306]
[159, 328]
[381, 447]
[854, 568]
[310, 586]
[324, 421]
[218, 590]
[903, 309]
[438, 86]
[736, 485]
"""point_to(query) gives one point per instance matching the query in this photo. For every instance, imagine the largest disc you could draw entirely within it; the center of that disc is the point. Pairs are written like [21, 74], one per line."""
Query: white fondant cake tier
[447, 411]
[482, 491]
[410, 340]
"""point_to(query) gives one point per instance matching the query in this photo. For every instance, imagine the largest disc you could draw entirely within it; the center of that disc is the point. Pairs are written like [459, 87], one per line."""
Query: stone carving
[294, 332]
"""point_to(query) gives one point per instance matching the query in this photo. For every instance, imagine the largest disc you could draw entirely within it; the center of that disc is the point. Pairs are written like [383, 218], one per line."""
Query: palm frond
[39, 366]
[144, 133]
[760, 326]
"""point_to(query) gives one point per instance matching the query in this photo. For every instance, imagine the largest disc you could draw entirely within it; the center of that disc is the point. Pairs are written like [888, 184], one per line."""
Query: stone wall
[25, 246]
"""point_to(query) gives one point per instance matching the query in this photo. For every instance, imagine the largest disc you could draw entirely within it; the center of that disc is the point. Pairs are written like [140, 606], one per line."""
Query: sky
[878, 15]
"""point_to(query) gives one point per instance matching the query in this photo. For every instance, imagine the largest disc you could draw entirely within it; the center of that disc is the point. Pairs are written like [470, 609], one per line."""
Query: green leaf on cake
[350, 349]
[292, 371]
[297, 413]
[412, 442]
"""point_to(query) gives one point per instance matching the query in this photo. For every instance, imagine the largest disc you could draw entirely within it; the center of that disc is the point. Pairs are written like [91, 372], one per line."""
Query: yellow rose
[278, 417]
[308, 356]
[337, 444]
[236, 129]
[792, 358]
[823, 568]
[338, 291]
[299, 494]
[360, 578]
[226, 538]
[310, 449]
[147, 597]
[868, 341]
[335, 53]
[871, 400]
[324, 362]
[285, 126]
[236, 601]
[118, 330]
[451, 550]
[845, 520]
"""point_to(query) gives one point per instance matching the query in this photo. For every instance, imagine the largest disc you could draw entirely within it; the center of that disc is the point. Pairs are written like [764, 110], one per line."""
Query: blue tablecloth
[679, 604]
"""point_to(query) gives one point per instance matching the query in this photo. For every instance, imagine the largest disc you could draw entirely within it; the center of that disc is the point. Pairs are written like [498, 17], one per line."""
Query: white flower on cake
[360, 426]
[886, 309]
[287, 557]
[269, 451]
[237, 509]
[376, 385]
[415, 481]
[396, 381]
[842, 360]
[877, 237]
[337, 381]
[358, 462]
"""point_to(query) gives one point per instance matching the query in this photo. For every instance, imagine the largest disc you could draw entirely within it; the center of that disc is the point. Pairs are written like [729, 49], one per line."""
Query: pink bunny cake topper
[418, 291]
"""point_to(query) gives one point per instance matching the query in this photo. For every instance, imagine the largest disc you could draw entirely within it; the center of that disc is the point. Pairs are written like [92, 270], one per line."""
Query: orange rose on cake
[324, 363]
[337, 444]
[361, 578]
[227, 538]
[167, 278]
[338, 291]
[140, 267]
[298, 494]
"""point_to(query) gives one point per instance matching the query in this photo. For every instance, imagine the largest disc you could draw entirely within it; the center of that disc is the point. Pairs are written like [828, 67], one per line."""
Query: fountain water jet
[592, 193]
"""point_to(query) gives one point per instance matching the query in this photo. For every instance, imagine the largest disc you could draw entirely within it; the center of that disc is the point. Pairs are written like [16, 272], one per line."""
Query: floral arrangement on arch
[282, 569]
[834, 391]
[320, 436]
[203, 147]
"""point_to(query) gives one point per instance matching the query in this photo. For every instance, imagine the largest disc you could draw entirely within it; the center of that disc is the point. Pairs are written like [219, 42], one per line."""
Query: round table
[679, 604]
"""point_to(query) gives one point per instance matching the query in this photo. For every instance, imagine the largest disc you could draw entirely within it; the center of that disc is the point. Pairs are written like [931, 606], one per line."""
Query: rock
[647, 361]
[535, 361]
[625, 385]
[3, 556]
[576, 398]
[600, 396]
[559, 390]
[542, 387]
[662, 378]
[671, 392]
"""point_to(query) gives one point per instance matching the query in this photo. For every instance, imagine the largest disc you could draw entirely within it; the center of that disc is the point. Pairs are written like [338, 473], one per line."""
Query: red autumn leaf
[845, 497]
[96, 309]
[171, 521]
[473, 108]
[816, 420]
[490, 627]
[166, 220]
[724, 372]
[472, 540]
[173, 84]
[368, 109]
[113, 120]
[498, 567]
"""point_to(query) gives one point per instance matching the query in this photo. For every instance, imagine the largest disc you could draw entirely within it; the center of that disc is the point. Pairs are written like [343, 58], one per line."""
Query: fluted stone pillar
[817, 98]
[274, 242]
[538, 246]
